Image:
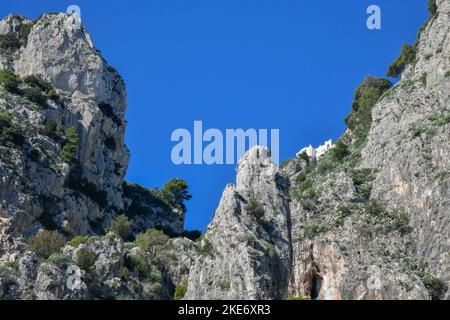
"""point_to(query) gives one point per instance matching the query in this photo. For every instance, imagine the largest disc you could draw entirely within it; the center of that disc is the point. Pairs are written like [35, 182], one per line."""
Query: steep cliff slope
[67, 85]
[62, 167]
[370, 220]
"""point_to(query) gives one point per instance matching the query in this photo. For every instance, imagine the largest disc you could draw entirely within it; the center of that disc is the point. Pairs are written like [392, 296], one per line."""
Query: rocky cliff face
[246, 251]
[58, 82]
[92, 100]
[369, 220]
[38, 187]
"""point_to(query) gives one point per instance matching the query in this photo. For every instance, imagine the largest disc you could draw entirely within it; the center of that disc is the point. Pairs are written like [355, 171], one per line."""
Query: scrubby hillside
[62, 167]
[370, 220]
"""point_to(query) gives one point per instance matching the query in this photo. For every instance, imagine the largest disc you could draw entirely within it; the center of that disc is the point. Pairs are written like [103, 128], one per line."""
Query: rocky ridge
[369, 220]
[63, 160]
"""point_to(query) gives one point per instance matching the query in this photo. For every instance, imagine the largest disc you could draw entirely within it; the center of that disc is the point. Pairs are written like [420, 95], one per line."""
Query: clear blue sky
[287, 64]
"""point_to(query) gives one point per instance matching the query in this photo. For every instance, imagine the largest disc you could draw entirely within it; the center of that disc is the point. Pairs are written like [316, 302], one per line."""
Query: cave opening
[316, 284]
[314, 281]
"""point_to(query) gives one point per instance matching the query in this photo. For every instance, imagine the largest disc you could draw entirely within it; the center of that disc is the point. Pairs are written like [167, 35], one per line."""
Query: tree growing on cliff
[9, 80]
[121, 226]
[45, 243]
[175, 192]
[407, 56]
[70, 148]
[152, 241]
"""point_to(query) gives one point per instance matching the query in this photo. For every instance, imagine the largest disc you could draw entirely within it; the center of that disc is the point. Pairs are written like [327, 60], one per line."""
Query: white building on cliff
[317, 153]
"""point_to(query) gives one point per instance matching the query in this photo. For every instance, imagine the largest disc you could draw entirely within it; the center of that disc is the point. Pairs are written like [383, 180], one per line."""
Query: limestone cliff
[62, 167]
[369, 220]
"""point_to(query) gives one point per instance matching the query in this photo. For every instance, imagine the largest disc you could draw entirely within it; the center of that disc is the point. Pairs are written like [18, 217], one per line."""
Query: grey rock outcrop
[409, 145]
[246, 254]
[367, 222]
[74, 87]
[38, 188]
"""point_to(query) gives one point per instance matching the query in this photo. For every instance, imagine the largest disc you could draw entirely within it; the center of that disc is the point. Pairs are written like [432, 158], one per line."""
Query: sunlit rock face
[38, 189]
[92, 100]
[374, 225]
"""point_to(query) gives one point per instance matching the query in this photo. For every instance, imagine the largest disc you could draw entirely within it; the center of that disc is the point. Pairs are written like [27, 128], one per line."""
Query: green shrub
[418, 130]
[340, 151]
[38, 82]
[53, 95]
[9, 80]
[59, 259]
[447, 74]
[10, 134]
[9, 42]
[441, 118]
[51, 129]
[35, 95]
[312, 230]
[121, 226]
[78, 240]
[407, 56]
[435, 286]
[69, 150]
[255, 209]
[85, 259]
[388, 221]
[138, 263]
[225, 285]
[180, 291]
[303, 188]
[368, 93]
[175, 192]
[5, 120]
[205, 248]
[432, 7]
[362, 180]
[45, 243]
[142, 200]
[152, 241]
[423, 79]
[124, 274]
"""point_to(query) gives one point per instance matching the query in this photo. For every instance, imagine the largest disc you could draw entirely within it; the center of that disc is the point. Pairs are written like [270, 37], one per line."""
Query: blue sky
[292, 65]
